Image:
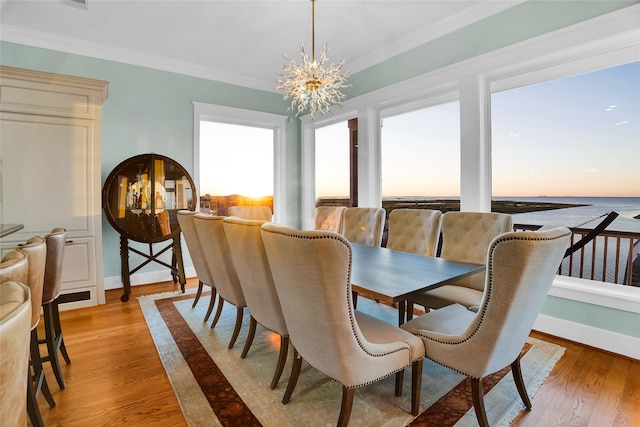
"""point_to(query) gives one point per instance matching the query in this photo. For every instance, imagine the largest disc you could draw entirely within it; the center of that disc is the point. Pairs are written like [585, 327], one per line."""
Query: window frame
[237, 116]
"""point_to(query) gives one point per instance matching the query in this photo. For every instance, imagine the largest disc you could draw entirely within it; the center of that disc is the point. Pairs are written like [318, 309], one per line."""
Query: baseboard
[606, 340]
[145, 278]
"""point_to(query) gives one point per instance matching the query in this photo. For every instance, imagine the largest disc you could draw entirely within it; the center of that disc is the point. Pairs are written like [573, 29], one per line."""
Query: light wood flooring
[116, 377]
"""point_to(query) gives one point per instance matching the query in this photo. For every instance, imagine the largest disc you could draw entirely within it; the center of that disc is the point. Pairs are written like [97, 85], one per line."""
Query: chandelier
[310, 86]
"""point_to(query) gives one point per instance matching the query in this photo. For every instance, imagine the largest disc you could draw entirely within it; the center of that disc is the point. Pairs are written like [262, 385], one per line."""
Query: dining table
[390, 276]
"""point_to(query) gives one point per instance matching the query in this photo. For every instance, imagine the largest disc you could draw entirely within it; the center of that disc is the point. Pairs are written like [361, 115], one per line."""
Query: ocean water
[591, 261]
[586, 216]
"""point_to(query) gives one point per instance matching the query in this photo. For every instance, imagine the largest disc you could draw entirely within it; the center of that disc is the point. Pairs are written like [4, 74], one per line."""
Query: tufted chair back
[312, 273]
[414, 230]
[520, 270]
[250, 260]
[15, 323]
[218, 255]
[15, 268]
[364, 225]
[466, 237]
[185, 219]
[252, 265]
[53, 268]
[329, 218]
[36, 250]
[262, 213]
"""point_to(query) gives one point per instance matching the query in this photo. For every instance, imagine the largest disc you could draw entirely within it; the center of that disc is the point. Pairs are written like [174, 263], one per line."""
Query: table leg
[401, 311]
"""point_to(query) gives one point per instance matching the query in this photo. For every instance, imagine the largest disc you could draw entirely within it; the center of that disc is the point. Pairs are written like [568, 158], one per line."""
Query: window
[255, 136]
[236, 166]
[332, 161]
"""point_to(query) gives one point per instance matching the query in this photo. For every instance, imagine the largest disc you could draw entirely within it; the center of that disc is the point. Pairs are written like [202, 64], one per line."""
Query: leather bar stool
[15, 322]
[26, 265]
[51, 291]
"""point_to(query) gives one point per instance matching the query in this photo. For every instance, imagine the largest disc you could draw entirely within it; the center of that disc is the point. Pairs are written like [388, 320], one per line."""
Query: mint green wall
[150, 110]
[609, 319]
[521, 22]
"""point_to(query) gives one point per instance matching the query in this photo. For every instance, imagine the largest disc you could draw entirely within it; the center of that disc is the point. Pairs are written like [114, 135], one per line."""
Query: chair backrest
[521, 267]
[53, 268]
[312, 273]
[15, 323]
[329, 218]
[15, 267]
[414, 230]
[36, 250]
[252, 266]
[466, 237]
[218, 255]
[191, 238]
[262, 213]
[364, 225]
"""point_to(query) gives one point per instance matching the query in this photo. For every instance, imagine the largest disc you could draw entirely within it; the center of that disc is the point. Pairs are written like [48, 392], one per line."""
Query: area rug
[215, 387]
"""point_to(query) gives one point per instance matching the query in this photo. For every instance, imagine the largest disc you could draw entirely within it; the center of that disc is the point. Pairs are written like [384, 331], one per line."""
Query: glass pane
[332, 162]
[421, 156]
[236, 166]
[567, 152]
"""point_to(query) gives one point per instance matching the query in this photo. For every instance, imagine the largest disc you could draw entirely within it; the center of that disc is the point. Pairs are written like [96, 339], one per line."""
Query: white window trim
[605, 41]
[238, 116]
[602, 42]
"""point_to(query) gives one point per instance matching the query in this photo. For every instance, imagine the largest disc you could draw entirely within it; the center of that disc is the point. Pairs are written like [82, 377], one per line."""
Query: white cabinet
[50, 168]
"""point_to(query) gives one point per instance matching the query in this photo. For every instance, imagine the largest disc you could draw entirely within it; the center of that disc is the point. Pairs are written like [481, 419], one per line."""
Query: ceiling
[238, 41]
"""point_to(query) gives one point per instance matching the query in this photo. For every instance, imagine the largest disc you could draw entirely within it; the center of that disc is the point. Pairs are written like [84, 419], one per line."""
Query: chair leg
[478, 402]
[409, 310]
[354, 296]
[416, 385]
[517, 377]
[198, 293]
[54, 342]
[252, 333]
[212, 302]
[32, 405]
[39, 381]
[58, 330]
[399, 381]
[282, 359]
[293, 378]
[236, 330]
[347, 404]
[218, 312]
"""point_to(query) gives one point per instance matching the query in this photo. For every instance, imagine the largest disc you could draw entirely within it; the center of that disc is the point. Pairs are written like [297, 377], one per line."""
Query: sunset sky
[578, 136]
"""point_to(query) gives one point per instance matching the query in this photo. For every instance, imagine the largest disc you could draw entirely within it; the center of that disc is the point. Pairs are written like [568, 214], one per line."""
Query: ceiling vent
[79, 4]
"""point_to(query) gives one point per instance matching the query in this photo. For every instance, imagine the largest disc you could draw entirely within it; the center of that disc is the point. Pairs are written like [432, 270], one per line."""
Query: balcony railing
[605, 258]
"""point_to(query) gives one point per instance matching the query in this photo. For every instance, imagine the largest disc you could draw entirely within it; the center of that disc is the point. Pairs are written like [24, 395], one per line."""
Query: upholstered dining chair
[262, 213]
[191, 238]
[329, 218]
[56, 241]
[26, 266]
[364, 225]
[465, 238]
[311, 270]
[223, 273]
[520, 269]
[414, 230]
[15, 323]
[250, 260]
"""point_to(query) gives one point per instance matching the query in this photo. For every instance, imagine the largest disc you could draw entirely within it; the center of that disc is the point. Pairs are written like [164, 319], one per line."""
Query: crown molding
[74, 46]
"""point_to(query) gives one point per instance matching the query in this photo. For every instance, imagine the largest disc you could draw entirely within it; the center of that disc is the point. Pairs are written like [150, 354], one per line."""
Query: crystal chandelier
[310, 85]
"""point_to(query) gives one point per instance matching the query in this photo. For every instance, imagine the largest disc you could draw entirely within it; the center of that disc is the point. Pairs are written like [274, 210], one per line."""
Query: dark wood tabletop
[390, 276]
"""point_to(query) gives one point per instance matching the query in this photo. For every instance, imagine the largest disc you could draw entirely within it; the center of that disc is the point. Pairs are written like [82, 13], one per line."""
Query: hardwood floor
[116, 377]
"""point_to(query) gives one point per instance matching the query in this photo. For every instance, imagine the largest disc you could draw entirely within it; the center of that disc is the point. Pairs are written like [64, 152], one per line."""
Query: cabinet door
[46, 167]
